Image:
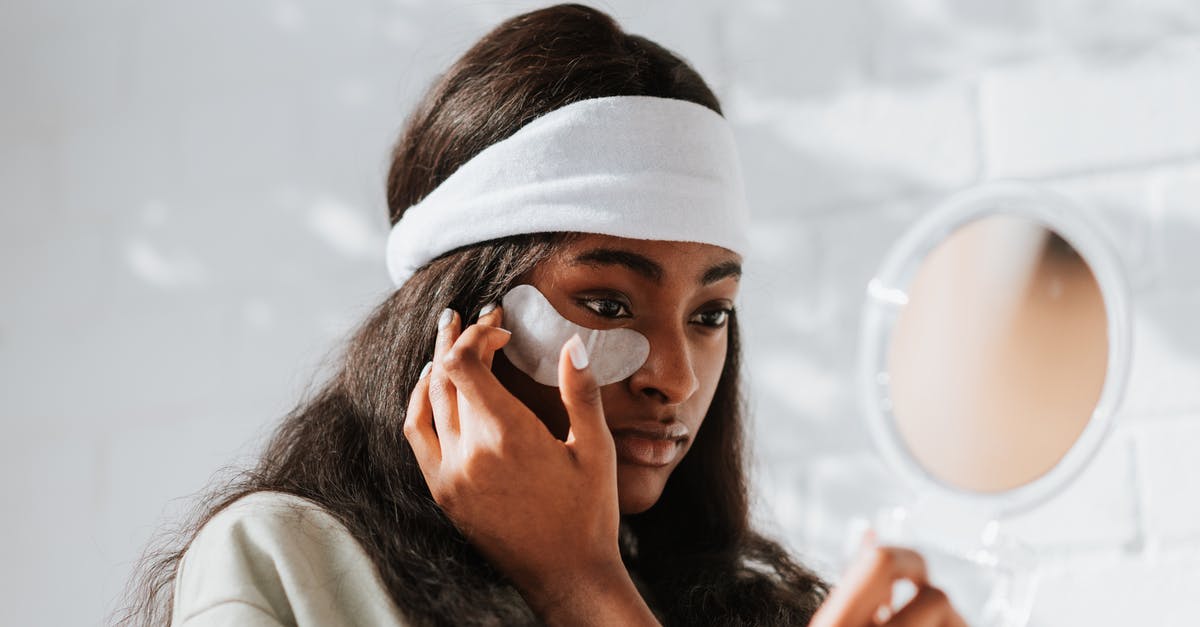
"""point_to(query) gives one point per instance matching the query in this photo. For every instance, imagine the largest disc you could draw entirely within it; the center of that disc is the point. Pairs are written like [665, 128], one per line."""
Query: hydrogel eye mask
[539, 331]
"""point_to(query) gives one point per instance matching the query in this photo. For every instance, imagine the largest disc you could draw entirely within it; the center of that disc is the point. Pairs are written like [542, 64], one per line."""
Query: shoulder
[280, 557]
[271, 519]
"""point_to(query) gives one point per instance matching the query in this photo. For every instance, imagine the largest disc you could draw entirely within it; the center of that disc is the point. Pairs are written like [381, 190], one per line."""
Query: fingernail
[487, 309]
[503, 329]
[445, 318]
[577, 352]
[425, 370]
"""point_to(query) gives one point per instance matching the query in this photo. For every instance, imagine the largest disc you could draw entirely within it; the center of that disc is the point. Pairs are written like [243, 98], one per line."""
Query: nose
[668, 375]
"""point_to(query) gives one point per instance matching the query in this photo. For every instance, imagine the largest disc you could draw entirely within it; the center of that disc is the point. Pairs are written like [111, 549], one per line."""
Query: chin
[638, 487]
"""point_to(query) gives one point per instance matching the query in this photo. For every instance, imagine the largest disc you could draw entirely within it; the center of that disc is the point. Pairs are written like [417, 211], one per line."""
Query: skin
[537, 477]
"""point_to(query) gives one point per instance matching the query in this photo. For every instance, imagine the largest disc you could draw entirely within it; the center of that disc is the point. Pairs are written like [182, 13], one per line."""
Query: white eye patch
[539, 331]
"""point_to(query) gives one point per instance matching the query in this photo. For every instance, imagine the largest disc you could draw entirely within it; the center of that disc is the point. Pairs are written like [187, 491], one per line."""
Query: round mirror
[997, 362]
[995, 346]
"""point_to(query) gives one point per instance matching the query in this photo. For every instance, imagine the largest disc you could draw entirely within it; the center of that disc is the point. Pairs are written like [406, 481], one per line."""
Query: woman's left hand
[543, 511]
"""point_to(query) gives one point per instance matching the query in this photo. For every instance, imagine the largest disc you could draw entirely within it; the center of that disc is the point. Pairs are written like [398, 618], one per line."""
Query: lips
[653, 445]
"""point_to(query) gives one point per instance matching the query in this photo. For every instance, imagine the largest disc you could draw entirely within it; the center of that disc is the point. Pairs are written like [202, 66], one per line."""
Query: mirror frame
[887, 295]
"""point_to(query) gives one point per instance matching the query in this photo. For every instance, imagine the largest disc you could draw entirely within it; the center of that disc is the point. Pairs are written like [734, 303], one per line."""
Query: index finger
[441, 390]
[490, 315]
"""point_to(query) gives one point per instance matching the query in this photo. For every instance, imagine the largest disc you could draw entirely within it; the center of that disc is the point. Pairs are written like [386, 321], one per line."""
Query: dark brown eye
[713, 318]
[606, 307]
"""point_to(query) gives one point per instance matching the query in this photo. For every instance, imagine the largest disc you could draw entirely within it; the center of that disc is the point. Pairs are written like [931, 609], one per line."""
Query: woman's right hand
[864, 595]
[543, 511]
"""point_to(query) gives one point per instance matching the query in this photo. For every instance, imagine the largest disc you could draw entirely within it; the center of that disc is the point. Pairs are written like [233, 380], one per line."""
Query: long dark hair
[694, 554]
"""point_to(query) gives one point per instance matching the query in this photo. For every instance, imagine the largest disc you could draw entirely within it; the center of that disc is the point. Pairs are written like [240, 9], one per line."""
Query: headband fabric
[640, 167]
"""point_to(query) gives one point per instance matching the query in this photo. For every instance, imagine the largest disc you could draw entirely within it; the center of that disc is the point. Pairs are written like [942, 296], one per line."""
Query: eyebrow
[722, 271]
[649, 268]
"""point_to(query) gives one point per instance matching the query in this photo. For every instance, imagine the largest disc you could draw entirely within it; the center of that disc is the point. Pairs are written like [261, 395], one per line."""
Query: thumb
[581, 396]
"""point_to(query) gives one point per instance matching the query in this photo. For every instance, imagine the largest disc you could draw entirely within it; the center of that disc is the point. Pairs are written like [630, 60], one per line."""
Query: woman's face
[678, 295]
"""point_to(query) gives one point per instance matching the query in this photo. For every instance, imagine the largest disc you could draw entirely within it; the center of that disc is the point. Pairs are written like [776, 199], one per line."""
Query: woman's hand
[543, 511]
[864, 596]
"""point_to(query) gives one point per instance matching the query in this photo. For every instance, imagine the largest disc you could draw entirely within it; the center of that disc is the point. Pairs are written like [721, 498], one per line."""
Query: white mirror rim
[887, 295]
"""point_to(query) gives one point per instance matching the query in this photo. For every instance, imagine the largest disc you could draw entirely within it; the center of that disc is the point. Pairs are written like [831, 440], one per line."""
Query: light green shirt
[272, 559]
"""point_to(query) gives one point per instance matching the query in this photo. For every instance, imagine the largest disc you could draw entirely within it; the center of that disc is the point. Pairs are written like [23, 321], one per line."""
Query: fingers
[878, 565]
[442, 394]
[589, 433]
[929, 608]
[491, 315]
[419, 428]
[868, 584]
[478, 344]
[491, 407]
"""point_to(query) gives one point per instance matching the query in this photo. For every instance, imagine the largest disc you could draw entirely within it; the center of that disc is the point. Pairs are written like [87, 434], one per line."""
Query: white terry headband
[641, 167]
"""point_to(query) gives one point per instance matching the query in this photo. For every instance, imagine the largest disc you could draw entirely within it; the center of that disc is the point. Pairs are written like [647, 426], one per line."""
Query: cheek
[710, 361]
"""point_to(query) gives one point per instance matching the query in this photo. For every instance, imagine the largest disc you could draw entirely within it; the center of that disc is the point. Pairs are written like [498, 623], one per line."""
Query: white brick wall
[853, 146]
[1177, 229]
[1119, 589]
[1169, 476]
[1074, 114]
[193, 215]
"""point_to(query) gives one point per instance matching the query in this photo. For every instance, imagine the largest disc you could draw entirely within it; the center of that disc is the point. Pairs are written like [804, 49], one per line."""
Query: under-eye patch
[539, 332]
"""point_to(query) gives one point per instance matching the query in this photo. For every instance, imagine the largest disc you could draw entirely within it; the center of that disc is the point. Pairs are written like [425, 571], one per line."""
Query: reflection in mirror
[998, 360]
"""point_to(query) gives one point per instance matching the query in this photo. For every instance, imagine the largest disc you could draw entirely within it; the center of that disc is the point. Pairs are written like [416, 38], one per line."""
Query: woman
[467, 491]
